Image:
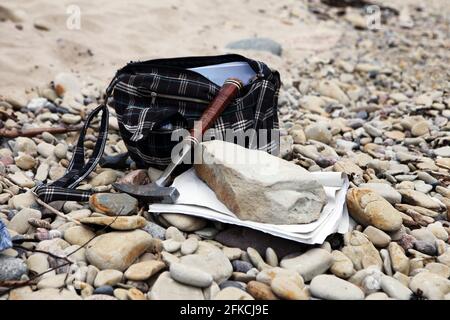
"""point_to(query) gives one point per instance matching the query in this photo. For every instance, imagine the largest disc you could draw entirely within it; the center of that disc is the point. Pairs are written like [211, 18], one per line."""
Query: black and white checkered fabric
[157, 99]
[150, 102]
[63, 189]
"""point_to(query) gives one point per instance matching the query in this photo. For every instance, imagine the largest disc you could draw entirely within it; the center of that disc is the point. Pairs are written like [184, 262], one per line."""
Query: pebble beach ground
[376, 106]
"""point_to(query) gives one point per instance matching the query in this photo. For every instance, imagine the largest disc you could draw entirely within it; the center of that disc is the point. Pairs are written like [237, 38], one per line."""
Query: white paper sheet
[197, 199]
[218, 73]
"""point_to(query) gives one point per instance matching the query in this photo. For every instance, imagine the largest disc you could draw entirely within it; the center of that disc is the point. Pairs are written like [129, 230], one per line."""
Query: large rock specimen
[260, 187]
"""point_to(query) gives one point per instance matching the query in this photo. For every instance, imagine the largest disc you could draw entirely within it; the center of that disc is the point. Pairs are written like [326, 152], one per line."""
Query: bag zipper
[155, 95]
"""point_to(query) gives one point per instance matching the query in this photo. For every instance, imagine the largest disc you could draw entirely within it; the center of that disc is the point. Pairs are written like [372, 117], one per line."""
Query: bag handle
[64, 188]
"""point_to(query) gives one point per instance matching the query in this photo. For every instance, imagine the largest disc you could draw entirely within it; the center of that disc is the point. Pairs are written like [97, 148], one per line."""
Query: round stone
[287, 289]
[330, 287]
[144, 270]
[189, 246]
[260, 291]
[308, 265]
[108, 277]
[369, 208]
[190, 275]
[117, 250]
[25, 161]
[11, 268]
[184, 222]
[379, 238]
[78, 235]
[165, 288]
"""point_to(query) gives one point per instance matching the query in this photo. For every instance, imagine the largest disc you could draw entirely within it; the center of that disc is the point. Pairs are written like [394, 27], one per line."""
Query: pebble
[213, 261]
[155, 230]
[60, 151]
[439, 269]
[117, 250]
[318, 132]
[424, 234]
[108, 277]
[78, 235]
[22, 180]
[260, 291]
[425, 247]
[104, 178]
[430, 285]
[165, 288]
[104, 290]
[387, 265]
[45, 149]
[241, 266]
[136, 294]
[438, 231]
[25, 161]
[70, 118]
[378, 237]
[19, 222]
[92, 272]
[121, 294]
[361, 251]
[395, 289]
[256, 259]
[342, 266]
[377, 296]
[113, 204]
[309, 264]
[184, 222]
[55, 281]
[399, 260]
[189, 246]
[442, 152]
[369, 208]
[420, 199]
[174, 234]
[117, 223]
[384, 190]
[11, 268]
[332, 90]
[287, 289]
[190, 275]
[171, 245]
[330, 287]
[232, 253]
[38, 263]
[25, 145]
[271, 257]
[47, 294]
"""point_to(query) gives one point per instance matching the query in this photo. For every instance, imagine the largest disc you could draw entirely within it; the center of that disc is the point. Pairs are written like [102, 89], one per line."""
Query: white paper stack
[197, 199]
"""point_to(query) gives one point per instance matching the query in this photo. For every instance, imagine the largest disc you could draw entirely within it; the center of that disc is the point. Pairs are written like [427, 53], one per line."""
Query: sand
[114, 32]
[36, 42]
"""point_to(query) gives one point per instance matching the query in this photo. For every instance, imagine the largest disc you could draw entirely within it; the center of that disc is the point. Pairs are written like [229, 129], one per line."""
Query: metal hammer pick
[157, 191]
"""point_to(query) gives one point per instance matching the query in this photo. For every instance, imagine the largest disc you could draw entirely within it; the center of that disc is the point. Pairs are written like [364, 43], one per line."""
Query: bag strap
[64, 188]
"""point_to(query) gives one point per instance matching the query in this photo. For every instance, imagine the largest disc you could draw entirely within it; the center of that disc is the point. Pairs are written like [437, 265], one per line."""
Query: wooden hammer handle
[227, 93]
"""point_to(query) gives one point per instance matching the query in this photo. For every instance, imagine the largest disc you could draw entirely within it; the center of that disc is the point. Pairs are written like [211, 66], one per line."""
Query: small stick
[58, 213]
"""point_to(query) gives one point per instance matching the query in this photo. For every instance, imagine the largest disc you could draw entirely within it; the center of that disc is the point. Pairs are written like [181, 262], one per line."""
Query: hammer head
[150, 192]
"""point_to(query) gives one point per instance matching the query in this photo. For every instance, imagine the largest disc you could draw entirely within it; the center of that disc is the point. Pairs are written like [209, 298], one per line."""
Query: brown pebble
[260, 291]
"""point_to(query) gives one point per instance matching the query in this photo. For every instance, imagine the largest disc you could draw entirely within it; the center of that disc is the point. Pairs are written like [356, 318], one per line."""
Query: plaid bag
[156, 100]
